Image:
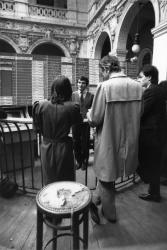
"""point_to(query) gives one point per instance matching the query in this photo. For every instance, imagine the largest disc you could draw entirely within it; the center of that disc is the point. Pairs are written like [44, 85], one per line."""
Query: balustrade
[7, 6]
[44, 11]
[29, 10]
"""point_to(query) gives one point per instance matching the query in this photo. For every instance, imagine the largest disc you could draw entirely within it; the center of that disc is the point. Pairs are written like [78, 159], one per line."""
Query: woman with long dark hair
[54, 118]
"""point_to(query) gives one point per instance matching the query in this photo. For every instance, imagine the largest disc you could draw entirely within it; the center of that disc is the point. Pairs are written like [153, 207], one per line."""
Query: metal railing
[20, 157]
[17, 159]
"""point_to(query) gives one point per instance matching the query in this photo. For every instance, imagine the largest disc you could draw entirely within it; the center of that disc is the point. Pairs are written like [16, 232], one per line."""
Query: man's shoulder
[121, 81]
[68, 104]
[89, 94]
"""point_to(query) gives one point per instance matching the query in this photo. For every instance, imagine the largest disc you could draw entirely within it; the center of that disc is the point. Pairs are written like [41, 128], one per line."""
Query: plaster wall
[84, 49]
[160, 55]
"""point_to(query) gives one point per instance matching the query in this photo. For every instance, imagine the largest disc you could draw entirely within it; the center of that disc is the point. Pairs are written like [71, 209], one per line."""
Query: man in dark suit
[81, 132]
[151, 133]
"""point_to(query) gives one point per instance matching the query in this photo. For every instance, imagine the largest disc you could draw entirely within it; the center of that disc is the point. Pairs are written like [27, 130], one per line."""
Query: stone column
[72, 10]
[159, 50]
[121, 54]
[21, 8]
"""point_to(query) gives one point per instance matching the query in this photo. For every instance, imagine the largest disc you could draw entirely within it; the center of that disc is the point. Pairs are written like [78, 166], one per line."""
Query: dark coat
[81, 132]
[151, 138]
[54, 122]
[87, 102]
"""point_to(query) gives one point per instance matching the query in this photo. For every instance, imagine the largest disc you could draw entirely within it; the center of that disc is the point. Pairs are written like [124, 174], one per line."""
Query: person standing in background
[81, 132]
[152, 131]
[115, 113]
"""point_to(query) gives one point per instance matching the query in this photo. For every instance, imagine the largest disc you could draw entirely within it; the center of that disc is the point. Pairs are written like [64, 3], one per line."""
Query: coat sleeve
[36, 117]
[149, 99]
[75, 115]
[92, 96]
[96, 113]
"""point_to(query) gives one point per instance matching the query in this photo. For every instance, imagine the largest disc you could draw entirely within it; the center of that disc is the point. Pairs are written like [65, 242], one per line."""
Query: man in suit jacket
[81, 132]
[151, 133]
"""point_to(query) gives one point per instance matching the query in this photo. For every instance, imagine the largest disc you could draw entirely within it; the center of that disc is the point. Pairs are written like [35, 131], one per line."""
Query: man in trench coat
[115, 113]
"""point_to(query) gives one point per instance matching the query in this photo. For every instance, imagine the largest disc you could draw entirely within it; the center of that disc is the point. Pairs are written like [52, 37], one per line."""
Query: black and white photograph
[83, 124]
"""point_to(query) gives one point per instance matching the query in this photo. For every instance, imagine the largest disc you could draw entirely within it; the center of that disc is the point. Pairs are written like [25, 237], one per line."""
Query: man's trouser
[106, 192]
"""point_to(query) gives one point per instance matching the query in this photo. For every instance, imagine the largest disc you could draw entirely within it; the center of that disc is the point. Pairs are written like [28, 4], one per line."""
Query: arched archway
[6, 81]
[45, 47]
[145, 57]
[48, 49]
[103, 45]
[139, 16]
[7, 45]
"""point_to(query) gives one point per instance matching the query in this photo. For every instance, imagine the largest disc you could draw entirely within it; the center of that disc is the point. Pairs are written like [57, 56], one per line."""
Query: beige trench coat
[115, 113]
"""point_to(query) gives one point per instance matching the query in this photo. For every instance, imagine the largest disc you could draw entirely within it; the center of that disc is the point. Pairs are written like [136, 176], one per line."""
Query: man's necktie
[81, 98]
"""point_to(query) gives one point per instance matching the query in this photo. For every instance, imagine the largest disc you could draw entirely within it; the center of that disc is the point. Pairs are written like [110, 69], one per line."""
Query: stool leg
[86, 173]
[85, 229]
[39, 237]
[54, 244]
[75, 229]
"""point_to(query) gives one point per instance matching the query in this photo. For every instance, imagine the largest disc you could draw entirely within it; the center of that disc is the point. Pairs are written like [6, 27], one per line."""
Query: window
[5, 82]
[46, 2]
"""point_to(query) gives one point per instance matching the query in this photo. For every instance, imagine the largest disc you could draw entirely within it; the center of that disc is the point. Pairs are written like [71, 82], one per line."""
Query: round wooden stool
[59, 200]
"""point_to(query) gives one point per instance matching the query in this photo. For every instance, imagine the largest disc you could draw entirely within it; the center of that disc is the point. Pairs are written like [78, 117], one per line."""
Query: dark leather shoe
[114, 220]
[150, 197]
[97, 200]
[94, 213]
[84, 167]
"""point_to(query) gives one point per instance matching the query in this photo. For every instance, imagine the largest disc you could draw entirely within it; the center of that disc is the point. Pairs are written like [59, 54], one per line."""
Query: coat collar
[117, 74]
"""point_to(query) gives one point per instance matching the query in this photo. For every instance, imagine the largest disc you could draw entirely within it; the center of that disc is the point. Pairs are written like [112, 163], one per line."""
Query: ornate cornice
[25, 34]
[160, 29]
[41, 28]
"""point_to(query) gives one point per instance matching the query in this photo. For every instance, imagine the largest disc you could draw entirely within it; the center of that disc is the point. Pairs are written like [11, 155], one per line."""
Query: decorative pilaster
[163, 10]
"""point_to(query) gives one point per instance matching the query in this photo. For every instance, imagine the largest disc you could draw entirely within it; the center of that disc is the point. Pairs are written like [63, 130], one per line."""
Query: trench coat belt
[57, 140]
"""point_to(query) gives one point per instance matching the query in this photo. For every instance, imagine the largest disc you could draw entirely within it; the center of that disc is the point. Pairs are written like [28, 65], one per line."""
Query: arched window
[53, 3]
[46, 2]
[145, 57]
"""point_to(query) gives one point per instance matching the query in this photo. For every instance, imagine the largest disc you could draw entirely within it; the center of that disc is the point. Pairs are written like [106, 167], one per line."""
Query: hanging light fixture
[136, 44]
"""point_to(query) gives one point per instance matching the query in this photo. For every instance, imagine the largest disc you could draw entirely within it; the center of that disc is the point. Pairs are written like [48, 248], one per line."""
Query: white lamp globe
[136, 48]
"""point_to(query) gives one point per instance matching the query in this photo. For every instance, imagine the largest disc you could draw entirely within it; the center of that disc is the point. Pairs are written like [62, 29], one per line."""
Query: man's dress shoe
[94, 213]
[113, 220]
[97, 200]
[84, 166]
[78, 165]
[150, 197]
